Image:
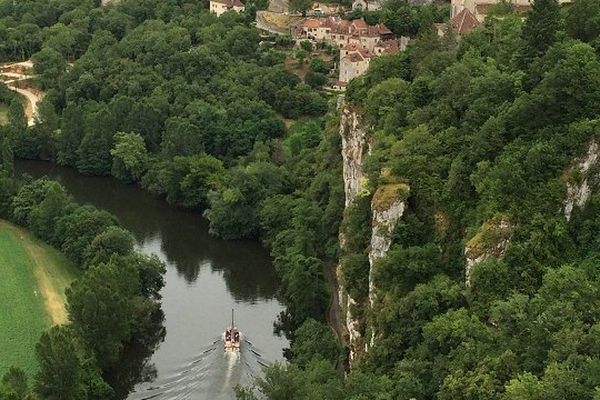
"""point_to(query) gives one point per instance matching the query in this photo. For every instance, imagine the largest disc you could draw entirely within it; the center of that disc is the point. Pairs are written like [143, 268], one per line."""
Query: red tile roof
[359, 24]
[351, 46]
[389, 46]
[464, 22]
[354, 29]
[354, 57]
[312, 23]
[366, 53]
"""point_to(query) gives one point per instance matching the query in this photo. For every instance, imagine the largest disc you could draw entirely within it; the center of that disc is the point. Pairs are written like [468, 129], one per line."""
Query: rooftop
[464, 22]
[337, 25]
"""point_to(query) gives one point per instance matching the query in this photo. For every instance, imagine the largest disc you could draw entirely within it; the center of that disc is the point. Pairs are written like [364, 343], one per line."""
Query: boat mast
[232, 325]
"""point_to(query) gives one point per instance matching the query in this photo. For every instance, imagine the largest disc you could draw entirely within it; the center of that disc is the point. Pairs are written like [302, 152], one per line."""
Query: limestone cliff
[354, 147]
[387, 207]
[585, 175]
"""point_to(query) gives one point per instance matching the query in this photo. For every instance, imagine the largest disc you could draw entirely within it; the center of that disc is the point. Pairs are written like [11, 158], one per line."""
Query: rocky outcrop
[387, 207]
[585, 175]
[490, 241]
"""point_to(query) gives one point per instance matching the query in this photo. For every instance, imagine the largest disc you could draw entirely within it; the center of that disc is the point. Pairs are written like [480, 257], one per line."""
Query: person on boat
[236, 336]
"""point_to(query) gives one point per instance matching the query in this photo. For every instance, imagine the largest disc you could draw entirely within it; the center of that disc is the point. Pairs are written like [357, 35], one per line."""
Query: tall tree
[539, 32]
[6, 156]
[583, 20]
[59, 376]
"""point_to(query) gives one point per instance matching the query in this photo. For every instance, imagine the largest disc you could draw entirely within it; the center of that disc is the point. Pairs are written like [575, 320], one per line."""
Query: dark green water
[206, 278]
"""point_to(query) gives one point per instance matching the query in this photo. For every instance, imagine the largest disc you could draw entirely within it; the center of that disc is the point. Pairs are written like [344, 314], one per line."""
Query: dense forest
[192, 108]
[496, 135]
[493, 132]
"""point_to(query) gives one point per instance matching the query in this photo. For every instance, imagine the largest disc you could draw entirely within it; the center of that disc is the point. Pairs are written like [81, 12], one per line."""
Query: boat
[231, 337]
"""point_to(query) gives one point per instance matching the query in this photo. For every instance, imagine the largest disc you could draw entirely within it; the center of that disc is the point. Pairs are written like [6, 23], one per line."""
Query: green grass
[33, 277]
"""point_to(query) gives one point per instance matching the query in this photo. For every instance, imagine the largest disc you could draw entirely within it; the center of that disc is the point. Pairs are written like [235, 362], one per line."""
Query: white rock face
[355, 146]
[579, 193]
[383, 223]
[471, 262]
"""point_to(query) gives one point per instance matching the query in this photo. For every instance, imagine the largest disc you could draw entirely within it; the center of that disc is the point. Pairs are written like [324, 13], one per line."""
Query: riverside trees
[113, 306]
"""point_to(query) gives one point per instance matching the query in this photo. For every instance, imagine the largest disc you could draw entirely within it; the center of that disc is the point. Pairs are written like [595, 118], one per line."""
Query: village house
[358, 42]
[339, 32]
[353, 64]
[221, 6]
[355, 59]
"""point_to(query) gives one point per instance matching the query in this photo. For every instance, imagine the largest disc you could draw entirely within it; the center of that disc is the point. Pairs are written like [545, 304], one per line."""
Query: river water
[206, 278]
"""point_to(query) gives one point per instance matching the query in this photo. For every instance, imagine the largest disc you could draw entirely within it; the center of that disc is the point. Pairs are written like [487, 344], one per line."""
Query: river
[206, 278]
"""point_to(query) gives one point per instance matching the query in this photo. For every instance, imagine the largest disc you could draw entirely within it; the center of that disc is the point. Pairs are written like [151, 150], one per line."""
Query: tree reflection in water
[134, 364]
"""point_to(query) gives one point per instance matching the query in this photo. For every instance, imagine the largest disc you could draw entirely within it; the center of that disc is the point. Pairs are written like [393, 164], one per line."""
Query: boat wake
[210, 374]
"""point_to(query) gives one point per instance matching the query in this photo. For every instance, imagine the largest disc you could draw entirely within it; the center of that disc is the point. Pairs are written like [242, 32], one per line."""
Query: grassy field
[33, 279]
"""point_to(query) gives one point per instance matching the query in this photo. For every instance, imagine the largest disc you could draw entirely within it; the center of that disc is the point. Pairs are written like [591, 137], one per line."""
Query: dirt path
[54, 302]
[16, 72]
[31, 106]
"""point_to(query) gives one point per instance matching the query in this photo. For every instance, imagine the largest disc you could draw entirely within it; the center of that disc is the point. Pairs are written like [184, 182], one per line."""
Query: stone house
[221, 6]
[358, 42]
[355, 59]
[353, 64]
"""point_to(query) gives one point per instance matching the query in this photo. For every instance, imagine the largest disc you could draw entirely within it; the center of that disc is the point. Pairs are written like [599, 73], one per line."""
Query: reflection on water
[206, 277]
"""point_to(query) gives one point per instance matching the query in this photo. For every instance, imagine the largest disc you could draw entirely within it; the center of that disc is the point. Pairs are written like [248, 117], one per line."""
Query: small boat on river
[231, 337]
